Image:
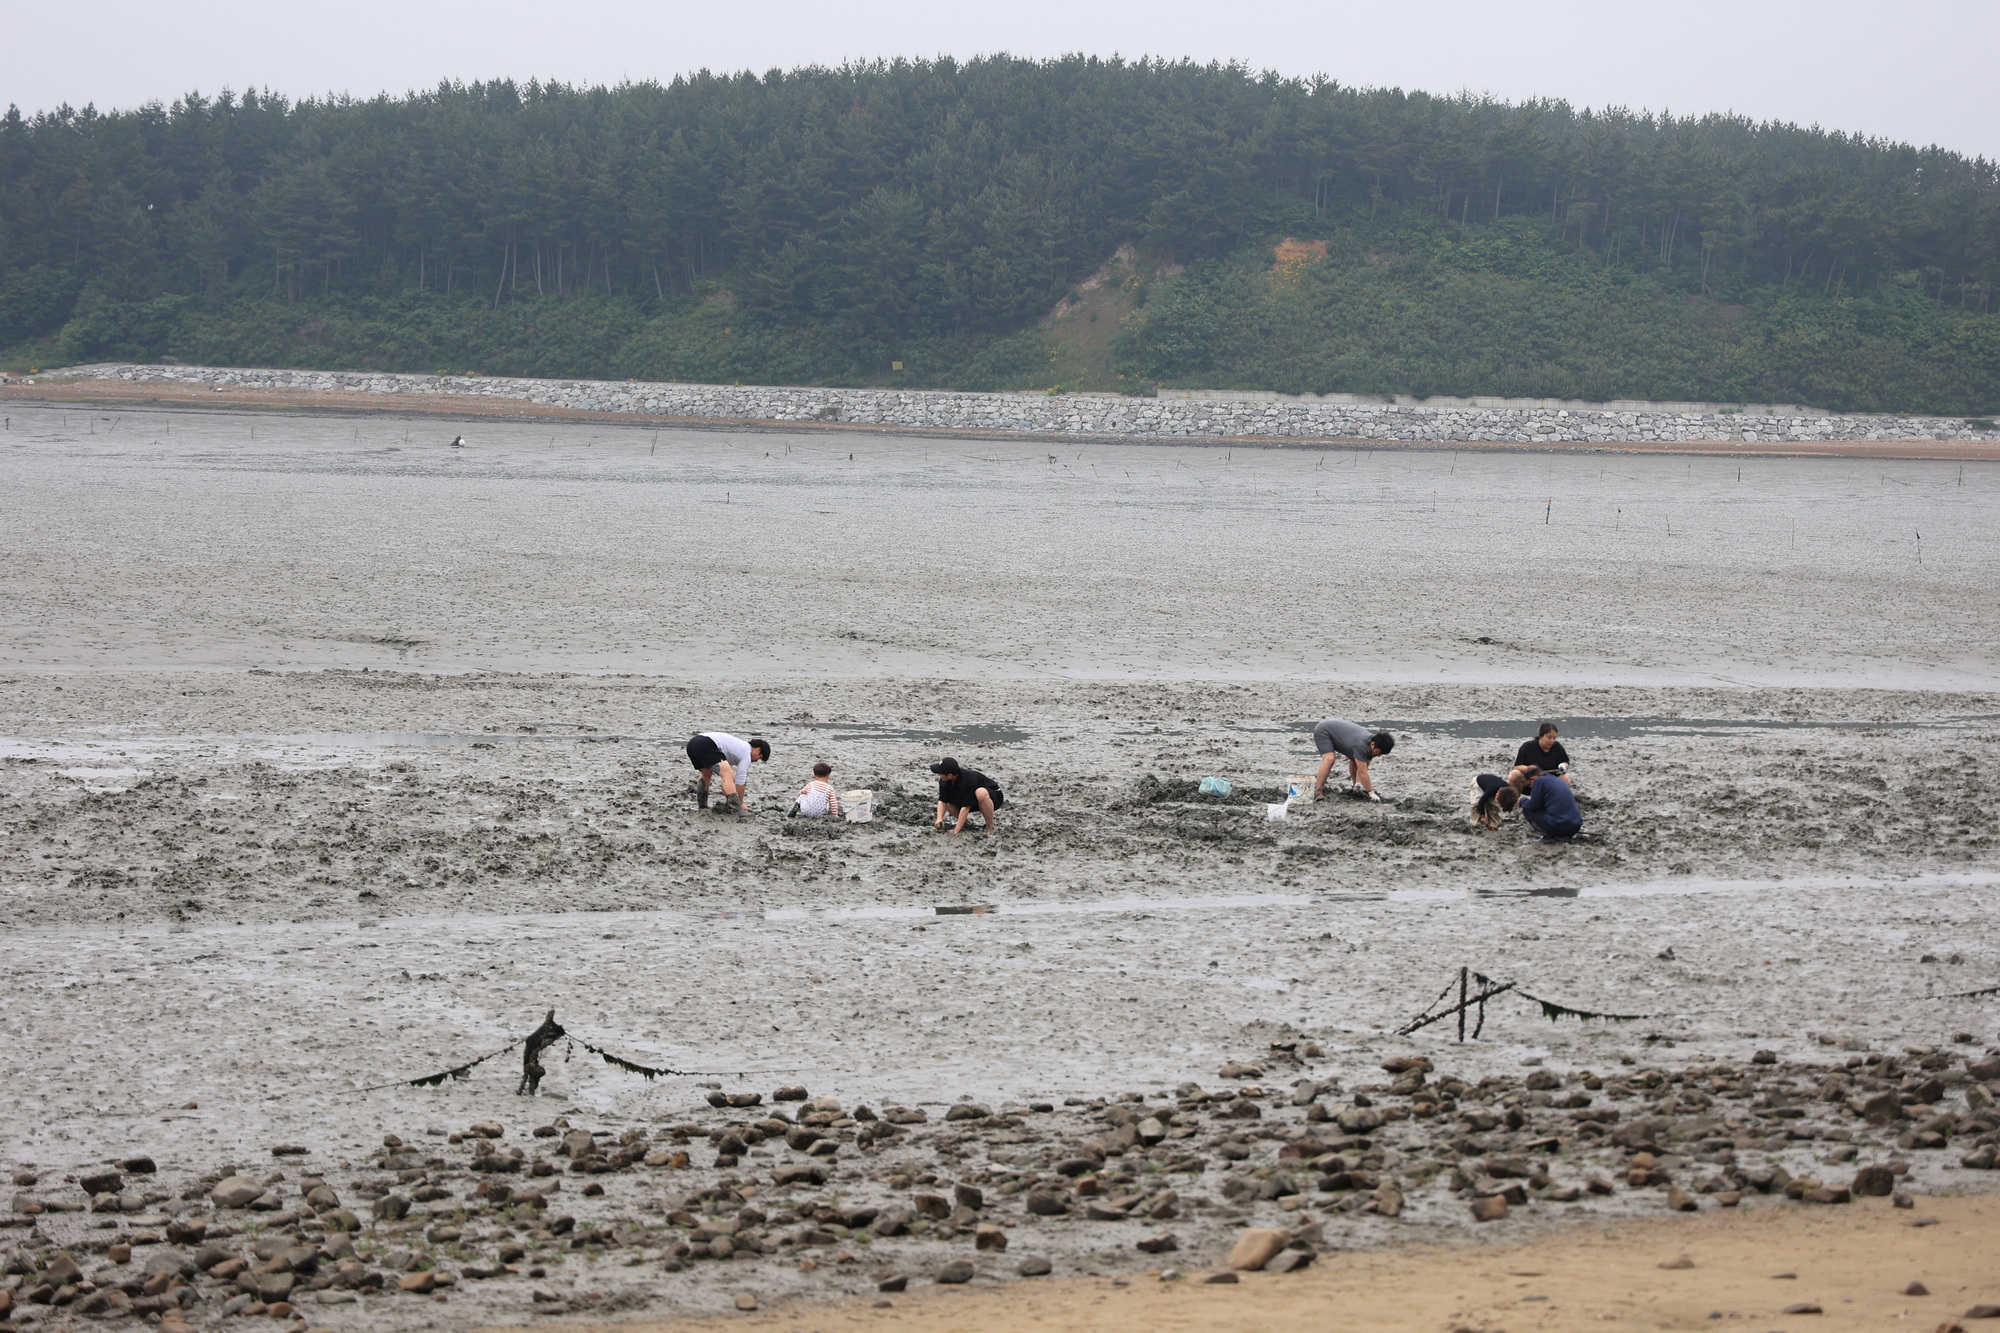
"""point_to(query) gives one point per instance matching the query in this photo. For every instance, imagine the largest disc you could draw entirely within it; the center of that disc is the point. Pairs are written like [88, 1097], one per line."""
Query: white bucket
[858, 805]
[1276, 811]
[1299, 789]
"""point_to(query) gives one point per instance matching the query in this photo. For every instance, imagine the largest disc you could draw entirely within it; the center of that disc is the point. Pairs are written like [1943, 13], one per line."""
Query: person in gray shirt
[1337, 738]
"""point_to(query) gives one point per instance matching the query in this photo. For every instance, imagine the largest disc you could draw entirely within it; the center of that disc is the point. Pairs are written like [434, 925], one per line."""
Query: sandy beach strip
[1759, 1268]
[122, 394]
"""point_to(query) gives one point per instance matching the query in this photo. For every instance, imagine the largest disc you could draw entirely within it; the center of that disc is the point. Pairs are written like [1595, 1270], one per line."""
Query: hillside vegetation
[820, 225]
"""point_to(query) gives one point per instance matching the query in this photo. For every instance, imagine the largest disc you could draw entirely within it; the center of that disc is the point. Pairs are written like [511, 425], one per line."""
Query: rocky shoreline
[1079, 414]
[794, 1196]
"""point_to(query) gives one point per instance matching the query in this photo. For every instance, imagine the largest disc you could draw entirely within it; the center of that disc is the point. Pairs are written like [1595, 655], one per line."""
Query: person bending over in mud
[817, 799]
[1492, 796]
[961, 791]
[1337, 738]
[1544, 752]
[1551, 807]
[718, 754]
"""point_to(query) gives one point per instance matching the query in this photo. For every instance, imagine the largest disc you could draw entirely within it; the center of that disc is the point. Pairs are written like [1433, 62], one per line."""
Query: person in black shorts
[1544, 752]
[961, 791]
[719, 754]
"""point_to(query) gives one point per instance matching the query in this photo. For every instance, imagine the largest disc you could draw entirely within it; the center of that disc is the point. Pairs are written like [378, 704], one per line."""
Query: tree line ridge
[820, 225]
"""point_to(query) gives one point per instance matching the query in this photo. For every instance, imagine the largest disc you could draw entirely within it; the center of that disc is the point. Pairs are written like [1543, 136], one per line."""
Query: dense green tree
[816, 224]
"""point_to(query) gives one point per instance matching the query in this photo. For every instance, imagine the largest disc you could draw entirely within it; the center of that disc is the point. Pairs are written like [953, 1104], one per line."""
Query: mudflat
[335, 754]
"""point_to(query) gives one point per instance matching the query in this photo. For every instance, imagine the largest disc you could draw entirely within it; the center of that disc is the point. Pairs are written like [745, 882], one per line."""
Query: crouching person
[1337, 739]
[963, 790]
[717, 754]
[1492, 797]
[1550, 806]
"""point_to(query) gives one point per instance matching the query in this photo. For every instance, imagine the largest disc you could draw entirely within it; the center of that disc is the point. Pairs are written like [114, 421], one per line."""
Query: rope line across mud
[540, 1040]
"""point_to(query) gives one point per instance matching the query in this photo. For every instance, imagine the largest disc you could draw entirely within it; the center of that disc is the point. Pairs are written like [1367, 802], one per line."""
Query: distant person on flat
[1544, 752]
[718, 754]
[1551, 807]
[1337, 738]
[963, 790]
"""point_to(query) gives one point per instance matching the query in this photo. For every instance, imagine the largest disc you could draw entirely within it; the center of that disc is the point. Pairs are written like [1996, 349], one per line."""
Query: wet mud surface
[195, 821]
[151, 540]
[311, 781]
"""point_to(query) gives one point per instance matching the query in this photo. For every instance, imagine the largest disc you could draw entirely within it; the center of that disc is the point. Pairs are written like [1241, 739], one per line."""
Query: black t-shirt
[1531, 752]
[1489, 783]
[958, 788]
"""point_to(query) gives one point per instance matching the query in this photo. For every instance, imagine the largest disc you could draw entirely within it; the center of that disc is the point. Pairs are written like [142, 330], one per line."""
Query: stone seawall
[1082, 414]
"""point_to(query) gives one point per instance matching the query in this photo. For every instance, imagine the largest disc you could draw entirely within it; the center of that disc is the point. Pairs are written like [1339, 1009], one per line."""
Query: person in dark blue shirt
[1551, 807]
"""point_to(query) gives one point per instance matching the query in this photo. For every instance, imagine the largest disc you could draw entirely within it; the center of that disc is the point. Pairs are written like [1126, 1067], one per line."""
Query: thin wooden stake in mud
[1462, 974]
[538, 1041]
[1488, 990]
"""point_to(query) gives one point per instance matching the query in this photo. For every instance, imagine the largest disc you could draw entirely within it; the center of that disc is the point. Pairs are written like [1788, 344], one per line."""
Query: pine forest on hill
[1075, 223]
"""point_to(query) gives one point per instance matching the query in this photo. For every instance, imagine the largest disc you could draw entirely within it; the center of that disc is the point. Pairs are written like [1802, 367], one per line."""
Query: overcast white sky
[1917, 70]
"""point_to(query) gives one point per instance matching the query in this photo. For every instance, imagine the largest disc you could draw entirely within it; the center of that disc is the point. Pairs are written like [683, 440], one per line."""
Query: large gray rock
[267, 1287]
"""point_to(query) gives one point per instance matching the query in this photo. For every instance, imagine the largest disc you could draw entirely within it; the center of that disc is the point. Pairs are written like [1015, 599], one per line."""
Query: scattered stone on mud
[1256, 1246]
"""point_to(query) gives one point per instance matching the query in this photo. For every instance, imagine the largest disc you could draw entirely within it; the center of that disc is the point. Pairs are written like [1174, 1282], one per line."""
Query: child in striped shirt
[817, 799]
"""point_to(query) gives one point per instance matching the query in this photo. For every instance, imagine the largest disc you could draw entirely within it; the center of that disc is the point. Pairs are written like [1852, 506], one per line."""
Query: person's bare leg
[985, 799]
[701, 800]
[1325, 768]
[730, 788]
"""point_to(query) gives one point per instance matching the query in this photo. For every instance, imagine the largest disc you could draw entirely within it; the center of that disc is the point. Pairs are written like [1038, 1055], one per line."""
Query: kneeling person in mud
[961, 791]
[1337, 738]
[718, 754]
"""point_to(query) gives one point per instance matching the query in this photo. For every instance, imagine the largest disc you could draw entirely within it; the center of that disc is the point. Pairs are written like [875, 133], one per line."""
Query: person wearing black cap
[961, 791]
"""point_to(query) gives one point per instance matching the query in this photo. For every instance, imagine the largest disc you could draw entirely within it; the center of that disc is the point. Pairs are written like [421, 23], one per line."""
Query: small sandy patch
[1852, 1263]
